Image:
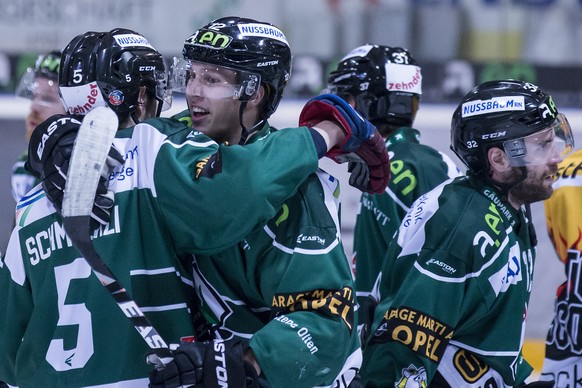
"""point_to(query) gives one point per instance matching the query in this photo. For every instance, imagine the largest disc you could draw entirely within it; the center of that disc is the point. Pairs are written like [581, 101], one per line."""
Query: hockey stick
[87, 160]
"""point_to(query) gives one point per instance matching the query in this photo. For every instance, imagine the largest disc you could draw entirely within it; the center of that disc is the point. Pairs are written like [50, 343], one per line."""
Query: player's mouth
[197, 112]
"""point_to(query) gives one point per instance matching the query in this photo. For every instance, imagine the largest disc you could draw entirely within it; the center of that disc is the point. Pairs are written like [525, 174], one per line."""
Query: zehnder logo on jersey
[495, 104]
[79, 100]
[132, 40]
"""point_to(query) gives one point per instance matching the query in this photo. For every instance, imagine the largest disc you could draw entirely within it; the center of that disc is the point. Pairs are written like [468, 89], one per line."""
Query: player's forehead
[542, 136]
[210, 68]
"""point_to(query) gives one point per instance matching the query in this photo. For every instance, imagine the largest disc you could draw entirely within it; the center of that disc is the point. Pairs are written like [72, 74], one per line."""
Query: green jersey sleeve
[209, 196]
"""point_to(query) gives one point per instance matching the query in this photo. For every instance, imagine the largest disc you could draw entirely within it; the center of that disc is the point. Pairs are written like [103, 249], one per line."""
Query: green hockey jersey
[288, 289]
[415, 169]
[21, 180]
[454, 291]
[176, 194]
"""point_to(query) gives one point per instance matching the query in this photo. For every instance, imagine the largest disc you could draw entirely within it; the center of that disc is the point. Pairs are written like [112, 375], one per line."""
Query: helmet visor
[546, 146]
[40, 90]
[163, 89]
[212, 81]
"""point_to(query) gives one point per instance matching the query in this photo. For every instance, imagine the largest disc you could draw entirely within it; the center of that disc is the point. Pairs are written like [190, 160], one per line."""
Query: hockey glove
[49, 152]
[359, 175]
[210, 364]
[362, 138]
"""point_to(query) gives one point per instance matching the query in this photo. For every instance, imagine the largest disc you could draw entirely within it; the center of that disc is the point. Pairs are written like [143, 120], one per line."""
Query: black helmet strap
[246, 133]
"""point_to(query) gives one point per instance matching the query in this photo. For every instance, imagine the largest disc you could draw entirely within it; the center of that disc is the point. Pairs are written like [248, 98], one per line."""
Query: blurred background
[458, 43]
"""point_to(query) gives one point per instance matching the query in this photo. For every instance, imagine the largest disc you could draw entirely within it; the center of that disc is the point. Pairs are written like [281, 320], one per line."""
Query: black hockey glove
[362, 141]
[206, 364]
[49, 152]
[359, 175]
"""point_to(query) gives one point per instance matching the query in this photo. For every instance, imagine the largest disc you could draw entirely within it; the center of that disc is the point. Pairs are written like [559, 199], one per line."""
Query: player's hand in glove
[361, 138]
[210, 364]
[49, 153]
[359, 174]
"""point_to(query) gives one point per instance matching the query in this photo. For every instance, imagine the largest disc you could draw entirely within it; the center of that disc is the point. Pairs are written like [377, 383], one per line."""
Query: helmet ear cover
[395, 109]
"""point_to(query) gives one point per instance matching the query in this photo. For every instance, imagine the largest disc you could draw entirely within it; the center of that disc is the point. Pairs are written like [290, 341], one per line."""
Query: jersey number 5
[61, 358]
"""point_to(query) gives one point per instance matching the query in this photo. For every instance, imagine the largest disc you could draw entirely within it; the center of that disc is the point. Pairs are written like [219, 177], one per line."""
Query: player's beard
[537, 186]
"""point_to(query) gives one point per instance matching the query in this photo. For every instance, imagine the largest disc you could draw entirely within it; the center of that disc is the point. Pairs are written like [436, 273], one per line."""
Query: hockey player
[285, 291]
[39, 84]
[60, 327]
[384, 84]
[563, 210]
[456, 281]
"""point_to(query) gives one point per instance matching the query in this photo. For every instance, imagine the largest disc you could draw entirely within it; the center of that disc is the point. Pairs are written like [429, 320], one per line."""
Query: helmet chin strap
[246, 133]
[134, 118]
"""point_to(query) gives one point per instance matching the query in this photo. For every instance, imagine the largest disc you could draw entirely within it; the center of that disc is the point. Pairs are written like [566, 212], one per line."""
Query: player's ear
[257, 98]
[142, 97]
[498, 160]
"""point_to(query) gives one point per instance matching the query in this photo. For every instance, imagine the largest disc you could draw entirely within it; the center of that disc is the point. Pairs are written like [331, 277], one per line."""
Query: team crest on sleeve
[412, 377]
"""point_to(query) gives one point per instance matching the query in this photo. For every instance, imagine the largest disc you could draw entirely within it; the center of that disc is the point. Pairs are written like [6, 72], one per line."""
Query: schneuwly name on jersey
[45, 242]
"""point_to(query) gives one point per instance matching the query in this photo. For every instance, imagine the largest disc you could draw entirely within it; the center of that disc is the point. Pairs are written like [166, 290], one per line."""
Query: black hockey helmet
[383, 80]
[258, 50]
[107, 69]
[46, 66]
[505, 114]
